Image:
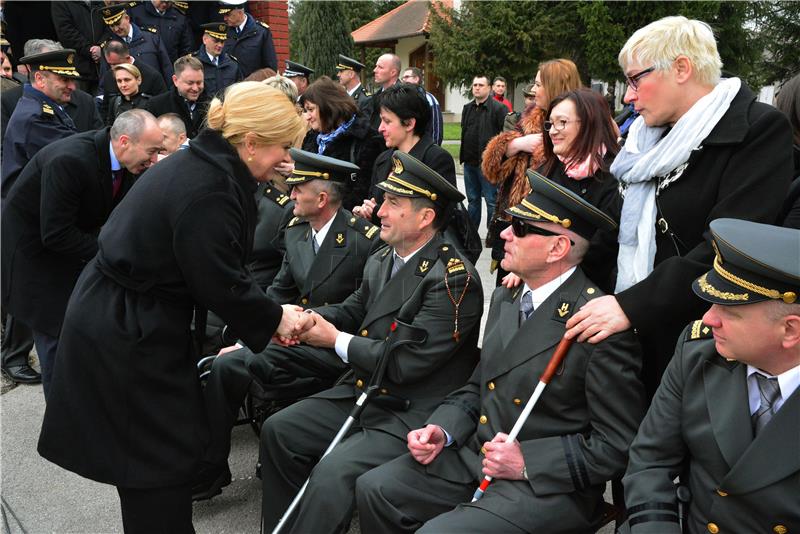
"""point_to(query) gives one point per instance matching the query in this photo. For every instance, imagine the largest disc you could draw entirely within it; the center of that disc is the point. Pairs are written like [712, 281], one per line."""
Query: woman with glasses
[509, 154]
[702, 148]
[339, 131]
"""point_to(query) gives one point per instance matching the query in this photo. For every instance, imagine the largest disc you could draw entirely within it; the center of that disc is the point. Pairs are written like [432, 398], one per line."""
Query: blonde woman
[126, 407]
[128, 79]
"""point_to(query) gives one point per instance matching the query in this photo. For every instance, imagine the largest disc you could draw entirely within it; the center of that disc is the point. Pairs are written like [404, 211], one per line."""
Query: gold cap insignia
[70, 58]
[398, 166]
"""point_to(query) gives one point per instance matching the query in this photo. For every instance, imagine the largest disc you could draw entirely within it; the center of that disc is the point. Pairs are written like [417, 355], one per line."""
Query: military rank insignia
[48, 109]
[340, 240]
[564, 309]
[424, 266]
[699, 330]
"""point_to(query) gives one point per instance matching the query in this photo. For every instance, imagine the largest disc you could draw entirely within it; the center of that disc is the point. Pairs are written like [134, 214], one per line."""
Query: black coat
[147, 47]
[81, 108]
[119, 104]
[125, 406]
[487, 120]
[172, 26]
[359, 145]
[274, 213]
[152, 84]
[173, 102]
[253, 48]
[79, 27]
[50, 224]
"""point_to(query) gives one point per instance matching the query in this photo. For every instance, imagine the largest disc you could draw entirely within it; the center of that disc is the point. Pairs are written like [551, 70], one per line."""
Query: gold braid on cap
[566, 223]
[315, 174]
[417, 189]
[789, 297]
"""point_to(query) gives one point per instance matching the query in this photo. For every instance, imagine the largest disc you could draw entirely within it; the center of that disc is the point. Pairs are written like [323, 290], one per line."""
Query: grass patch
[452, 131]
[453, 149]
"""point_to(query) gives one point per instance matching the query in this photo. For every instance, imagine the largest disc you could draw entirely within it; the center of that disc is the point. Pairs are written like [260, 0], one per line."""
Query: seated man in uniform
[326, 249]
[418, 279]
[552, 477]
[726, 417]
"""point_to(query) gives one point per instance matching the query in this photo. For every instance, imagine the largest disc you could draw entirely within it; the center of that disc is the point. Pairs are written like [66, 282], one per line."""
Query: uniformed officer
[418, 279]
[326, 249]
[145, 44]
[726, 417]
[348, 71]
[219, 69]
[299, 74]
[39, 118]
[249, 40]
[552, 477]
[172, 25]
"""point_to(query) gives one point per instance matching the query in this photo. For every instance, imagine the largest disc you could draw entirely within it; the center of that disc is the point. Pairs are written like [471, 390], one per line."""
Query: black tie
[770, 391]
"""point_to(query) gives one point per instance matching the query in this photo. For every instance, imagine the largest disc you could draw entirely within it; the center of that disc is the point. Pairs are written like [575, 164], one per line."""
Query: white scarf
[647, 156]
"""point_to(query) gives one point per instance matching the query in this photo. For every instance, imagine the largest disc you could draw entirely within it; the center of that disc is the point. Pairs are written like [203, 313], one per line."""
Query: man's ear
[559, 248]
[791, 332]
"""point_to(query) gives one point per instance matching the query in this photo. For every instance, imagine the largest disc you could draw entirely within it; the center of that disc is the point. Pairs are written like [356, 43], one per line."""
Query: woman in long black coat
[126, 406]
[337, 130]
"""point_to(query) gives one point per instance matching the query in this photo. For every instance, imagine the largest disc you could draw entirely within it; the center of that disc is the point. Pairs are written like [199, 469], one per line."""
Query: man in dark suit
[419, 279]
[53, 214]
[326, 249]
[348, 71]
[186, 98]
[219, 69]
[172, 25]
[79, 26]
[726, 417]
[552, 477]
[116, 53]
[249, 40]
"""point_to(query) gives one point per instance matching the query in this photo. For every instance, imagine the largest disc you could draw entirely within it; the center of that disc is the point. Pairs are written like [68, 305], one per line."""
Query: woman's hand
[366, 208]
[597, 319]
[511, 281]
[526, 143]
[284, 168]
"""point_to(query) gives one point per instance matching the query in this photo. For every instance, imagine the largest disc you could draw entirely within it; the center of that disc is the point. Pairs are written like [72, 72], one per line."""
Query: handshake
[298, 326]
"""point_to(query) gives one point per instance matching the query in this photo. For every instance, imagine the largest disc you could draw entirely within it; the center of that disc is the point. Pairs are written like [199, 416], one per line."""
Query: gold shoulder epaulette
[276, 196]
[47, 108]
[451, 259]
[264, 24]
[363, 227]
[699, 330]
[150, 29]
[183, 7]
[295, 221]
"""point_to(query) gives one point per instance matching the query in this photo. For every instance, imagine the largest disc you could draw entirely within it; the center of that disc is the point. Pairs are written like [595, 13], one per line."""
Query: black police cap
[413, 179]
[296, 69]
[217, 30]
[348, 63]
[61, 62]
[754, 262]
[112, 14]
[550, 202]
[309, 166]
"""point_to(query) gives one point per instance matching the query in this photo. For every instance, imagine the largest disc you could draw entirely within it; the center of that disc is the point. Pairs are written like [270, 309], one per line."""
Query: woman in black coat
[338, 131]
[126, 406]
[128, 79]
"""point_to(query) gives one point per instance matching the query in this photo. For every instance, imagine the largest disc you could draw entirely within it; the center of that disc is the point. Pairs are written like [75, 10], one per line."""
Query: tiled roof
[406, 20]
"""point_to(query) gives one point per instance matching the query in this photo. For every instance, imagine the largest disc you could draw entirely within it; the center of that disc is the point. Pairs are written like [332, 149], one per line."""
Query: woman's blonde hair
[284, 85]
[661, 42]
[252, 107]
[130, 69]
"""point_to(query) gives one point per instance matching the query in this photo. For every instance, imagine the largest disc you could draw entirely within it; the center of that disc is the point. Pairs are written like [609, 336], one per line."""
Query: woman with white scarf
[702, 148]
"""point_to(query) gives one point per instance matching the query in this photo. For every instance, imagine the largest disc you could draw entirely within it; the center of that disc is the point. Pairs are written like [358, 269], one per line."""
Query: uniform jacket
[359, 145]
[361, 96]
[172, 26]
[152, 84]
[274, 213]
[253, 47]
[698, 426]
[747, 156]
[126, 405]
[50, 224]
[36, 122]
[147, 47]
[173, 102]
[80, 28]
[217, 77]
[577, 436]
[334, 272]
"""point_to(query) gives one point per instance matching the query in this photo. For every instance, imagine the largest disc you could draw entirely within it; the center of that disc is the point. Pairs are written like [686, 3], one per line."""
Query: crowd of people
[168, 195]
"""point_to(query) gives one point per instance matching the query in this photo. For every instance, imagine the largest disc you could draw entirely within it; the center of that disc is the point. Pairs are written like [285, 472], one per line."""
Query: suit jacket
[274, 213]
[698, 426]
[173, 102]
[50, 224]
[577, 436]
[334, 272]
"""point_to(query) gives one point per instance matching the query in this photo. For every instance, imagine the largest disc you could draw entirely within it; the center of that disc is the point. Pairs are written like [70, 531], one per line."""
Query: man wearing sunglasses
[551, 479]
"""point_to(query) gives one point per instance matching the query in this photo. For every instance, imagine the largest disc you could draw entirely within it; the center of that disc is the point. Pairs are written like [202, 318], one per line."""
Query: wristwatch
[525, 473]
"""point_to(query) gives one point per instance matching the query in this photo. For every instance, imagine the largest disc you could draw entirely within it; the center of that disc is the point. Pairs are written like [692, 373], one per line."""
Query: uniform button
[517, 401]
[483, 419]
[722, 493]
[384, 391]
[353, 219]
[780, 529]
[713, 528]
[359, 383]
[491, 386]
[483, 450]
[303, 300]
[364, 333]
[445, 249]
[591, 291]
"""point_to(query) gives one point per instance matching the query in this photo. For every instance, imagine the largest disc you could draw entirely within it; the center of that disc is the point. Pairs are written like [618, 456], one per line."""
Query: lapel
[101, 140]
[773, 455]
[303, 253]
[395, 292]
[539, 334]
[728, 408]
[329, 255]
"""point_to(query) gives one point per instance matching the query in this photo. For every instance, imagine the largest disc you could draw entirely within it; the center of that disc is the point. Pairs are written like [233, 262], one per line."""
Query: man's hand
[511, 281]
[321, 334]
[95, 51]
[503, 460]
[597, 319]
[226, 350]
[293, 323]
[425, 444]
[366, 208]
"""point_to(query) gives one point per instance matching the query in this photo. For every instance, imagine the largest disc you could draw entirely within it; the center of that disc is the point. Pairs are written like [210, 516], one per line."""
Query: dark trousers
[17, 344]
[157, 510]
[46, 348]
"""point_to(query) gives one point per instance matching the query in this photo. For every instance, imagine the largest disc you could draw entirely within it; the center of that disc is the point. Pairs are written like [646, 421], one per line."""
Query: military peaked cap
[61, 62]
[296, 69]
[348, 63]
[413, 179]
[309, 166]
[226, 6]
[112, 14]
[217, 30]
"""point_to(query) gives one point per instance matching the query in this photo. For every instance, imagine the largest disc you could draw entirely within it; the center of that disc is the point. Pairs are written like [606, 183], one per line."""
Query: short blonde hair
[284, 85]
[252, 107]
[661, 42]
[130, 69]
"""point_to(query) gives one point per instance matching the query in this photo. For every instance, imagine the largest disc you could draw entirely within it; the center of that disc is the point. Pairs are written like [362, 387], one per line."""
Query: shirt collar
[210, 57]
[320, 236]
[787, 380]
[353, 90]
[541, 293]
[244, 23]
[406, 258]
[115, 164]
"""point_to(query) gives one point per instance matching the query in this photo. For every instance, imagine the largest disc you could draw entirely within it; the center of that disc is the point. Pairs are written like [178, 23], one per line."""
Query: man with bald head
[387, 73]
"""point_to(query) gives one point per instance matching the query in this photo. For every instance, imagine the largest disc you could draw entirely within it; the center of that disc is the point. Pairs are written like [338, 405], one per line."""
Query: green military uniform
[360, 95]
[574, 441]
[436, 290]
[699, 423]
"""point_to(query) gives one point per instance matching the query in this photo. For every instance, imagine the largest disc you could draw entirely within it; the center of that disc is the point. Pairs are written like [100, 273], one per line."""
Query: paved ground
[41, 497]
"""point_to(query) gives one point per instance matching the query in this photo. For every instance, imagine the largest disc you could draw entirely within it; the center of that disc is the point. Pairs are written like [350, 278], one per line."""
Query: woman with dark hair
[337, 130]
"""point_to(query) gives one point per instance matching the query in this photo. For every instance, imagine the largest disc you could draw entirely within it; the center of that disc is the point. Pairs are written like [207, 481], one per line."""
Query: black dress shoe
[23, 374]
[210, 480]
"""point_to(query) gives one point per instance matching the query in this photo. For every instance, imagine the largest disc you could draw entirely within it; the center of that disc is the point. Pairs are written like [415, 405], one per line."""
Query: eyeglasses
[633, 81]
[521, 229]
[558, 125]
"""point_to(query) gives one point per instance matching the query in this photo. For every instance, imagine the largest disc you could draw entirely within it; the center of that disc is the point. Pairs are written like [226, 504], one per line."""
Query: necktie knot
[398, 264]
[526, 306]
[769, 392]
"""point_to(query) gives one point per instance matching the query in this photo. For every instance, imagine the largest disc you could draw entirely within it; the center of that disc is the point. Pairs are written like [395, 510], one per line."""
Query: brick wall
[276, 14]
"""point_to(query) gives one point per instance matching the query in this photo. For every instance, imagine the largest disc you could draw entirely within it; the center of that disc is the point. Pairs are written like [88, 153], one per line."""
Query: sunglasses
[521, 229]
